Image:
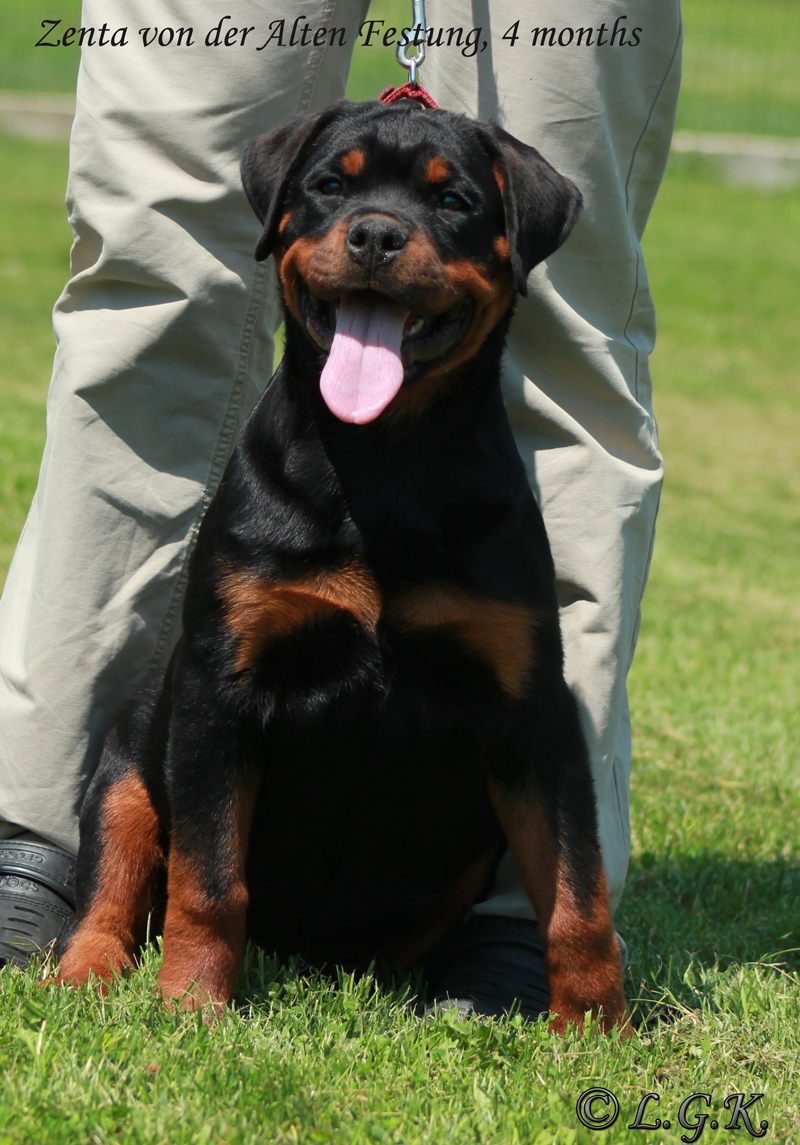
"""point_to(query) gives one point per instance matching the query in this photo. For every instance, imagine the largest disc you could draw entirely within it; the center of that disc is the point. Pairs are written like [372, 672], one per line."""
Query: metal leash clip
[417, 41]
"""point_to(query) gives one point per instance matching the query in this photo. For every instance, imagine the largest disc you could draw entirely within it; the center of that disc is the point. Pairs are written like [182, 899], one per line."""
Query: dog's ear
[541, 206]
[270, 162]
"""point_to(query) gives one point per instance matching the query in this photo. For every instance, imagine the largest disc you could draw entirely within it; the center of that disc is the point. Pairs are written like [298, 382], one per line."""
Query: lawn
[741, 69]
[712, 908]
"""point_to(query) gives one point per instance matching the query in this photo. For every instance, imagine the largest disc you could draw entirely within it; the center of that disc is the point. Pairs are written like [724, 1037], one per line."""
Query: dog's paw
[93, 956]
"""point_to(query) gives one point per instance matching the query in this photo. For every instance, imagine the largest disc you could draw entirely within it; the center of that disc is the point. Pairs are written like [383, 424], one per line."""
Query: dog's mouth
[374, 344]
[422, 338]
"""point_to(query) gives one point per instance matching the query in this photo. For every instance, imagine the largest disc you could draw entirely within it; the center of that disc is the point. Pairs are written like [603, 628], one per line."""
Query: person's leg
[577, 380]
[164, 341]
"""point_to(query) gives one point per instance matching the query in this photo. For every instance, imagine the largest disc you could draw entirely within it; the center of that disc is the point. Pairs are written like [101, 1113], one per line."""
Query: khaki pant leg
[164, 341]
[577, 379]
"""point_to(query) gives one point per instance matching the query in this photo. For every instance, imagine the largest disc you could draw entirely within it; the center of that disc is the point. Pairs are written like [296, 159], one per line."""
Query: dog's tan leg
[582, 955]
[127, 859]
[204, 928]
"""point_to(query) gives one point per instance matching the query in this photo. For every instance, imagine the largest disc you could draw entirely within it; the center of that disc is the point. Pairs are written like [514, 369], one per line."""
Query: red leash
[408, 90]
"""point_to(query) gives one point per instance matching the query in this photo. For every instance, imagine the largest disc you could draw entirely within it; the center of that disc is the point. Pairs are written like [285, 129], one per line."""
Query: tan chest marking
[500, 634]
[258, 611]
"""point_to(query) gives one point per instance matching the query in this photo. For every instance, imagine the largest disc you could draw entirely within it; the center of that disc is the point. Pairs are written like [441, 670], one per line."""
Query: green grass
[34, 264]
[740, 68]
[712, 907]
[301, 1061]
[25, 67]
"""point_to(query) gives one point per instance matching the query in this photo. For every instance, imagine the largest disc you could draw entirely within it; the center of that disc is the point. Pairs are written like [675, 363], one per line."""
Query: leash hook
[418, 31]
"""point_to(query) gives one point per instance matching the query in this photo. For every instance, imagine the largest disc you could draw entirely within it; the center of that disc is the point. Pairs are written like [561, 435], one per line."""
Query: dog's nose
[375, 240]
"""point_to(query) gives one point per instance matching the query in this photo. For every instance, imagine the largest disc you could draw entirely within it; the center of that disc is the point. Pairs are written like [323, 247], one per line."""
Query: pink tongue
[364, 371]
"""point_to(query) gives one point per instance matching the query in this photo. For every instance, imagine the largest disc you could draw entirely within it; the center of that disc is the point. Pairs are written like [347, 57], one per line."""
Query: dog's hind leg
[549, 818]
[120, 866]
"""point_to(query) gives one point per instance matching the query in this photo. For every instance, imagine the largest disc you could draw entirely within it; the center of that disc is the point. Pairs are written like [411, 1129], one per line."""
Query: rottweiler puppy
[367, 702]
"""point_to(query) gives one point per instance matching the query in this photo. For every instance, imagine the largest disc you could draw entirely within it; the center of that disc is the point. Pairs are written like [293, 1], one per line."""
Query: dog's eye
[330, 186]
[451, 202]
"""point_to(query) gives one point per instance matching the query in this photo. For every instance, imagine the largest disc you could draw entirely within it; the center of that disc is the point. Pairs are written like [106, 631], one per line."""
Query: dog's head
[400, 235]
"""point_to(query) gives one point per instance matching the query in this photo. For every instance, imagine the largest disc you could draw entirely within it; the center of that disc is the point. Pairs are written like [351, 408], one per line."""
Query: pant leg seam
[218, 461]
[315, 63]
[634, 153]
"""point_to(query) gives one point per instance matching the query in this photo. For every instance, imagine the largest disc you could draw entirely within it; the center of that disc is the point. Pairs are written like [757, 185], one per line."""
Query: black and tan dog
[368, 699]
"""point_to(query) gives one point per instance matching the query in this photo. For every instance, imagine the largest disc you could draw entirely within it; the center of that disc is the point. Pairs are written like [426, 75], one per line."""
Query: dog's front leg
[548, 813]
[212, 797]
[120, 863]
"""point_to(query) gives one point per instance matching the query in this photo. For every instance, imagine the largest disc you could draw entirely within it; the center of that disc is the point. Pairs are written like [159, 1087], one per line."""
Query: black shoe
[37, 899]
[489, 966]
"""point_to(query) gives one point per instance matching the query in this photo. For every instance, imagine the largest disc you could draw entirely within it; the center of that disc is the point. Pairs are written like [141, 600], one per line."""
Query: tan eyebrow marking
[353, 162]
[437, 169]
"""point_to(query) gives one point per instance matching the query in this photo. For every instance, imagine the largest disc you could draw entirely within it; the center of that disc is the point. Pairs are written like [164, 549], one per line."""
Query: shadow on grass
[695, 921]
[695, 927]
[266, 983]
